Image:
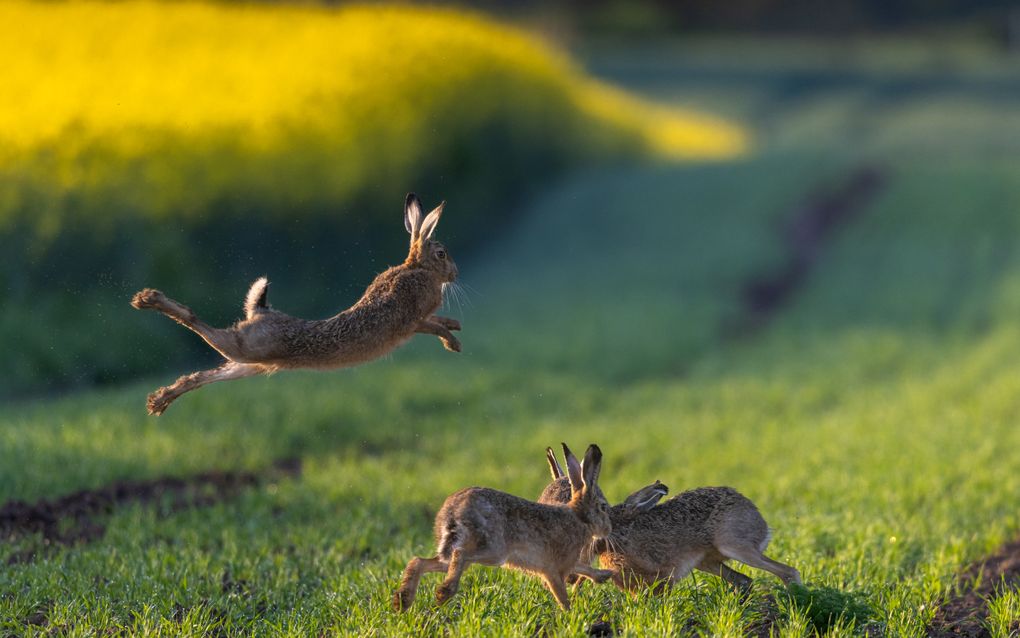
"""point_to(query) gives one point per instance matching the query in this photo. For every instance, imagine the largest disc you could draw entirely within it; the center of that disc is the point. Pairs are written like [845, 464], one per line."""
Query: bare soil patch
[811, 225]
[76, 518]
[964, 615]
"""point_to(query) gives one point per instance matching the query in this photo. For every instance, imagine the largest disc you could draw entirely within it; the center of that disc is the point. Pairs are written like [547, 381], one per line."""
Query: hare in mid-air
[399, 303]
[481, 525]
[655, 543]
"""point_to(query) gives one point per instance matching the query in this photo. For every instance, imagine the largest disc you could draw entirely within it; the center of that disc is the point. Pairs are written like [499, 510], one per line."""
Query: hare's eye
[441, 254]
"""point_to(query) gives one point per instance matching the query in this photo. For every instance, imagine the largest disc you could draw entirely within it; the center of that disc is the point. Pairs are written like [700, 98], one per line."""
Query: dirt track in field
[77, 517]
[811, 225]
[963, 616]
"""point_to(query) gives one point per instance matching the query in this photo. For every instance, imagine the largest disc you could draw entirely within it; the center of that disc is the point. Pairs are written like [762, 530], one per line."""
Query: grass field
[872, 419]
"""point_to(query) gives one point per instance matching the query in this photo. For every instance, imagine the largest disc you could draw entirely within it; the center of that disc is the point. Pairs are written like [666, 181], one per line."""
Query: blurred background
[211, 143]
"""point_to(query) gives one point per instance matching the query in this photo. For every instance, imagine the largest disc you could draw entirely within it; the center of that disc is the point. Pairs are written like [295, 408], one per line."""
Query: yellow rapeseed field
[106, 68]
[168, 110]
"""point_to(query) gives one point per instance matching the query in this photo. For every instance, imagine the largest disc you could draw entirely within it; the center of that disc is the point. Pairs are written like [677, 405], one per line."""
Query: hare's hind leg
[223, 341]
[752, 556]
[428, 326]
[161, 399]
[150, 298]
[404, 596]
[717, 568]
[458, 563]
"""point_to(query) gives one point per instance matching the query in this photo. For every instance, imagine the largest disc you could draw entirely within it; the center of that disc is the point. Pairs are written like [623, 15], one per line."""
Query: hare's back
[482, 517]
[726, 516]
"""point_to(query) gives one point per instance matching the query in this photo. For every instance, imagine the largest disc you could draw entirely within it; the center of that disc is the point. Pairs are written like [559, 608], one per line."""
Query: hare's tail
[449, 539]
[256, 302]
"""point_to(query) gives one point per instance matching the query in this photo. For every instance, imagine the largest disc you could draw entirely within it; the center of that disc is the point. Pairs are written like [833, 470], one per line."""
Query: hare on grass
[485, 526]
[399, 303]
[700, 529]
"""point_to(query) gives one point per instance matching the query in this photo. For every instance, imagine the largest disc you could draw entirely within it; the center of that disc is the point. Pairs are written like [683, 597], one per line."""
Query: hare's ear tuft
[412, 215]
[554, 465]
[429, 225]
[573, 469]
[591, 465]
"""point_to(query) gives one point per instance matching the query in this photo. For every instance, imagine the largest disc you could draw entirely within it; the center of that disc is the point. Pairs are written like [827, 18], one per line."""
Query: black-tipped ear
[554, 465]
[646, 498]
[412, 215]
[429, 225]
[573, 469]
[591, 465]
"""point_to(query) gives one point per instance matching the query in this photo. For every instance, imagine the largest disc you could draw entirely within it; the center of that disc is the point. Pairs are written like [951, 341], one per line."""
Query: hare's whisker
[462, 296]
[467, 291]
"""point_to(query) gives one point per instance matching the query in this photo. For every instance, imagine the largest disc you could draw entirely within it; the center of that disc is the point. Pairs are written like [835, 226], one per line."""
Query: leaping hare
[481, 525]
[399, 303]
[697, 529]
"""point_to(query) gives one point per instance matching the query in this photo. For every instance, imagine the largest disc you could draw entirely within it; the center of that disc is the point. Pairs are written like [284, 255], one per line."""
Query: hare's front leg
[446, 322]
[597, 576]
[450, 342]
[558, 588]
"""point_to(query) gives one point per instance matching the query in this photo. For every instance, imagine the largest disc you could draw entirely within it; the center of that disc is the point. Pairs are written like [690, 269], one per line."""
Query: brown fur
[485, 526]
[399, 303]
[697, 529]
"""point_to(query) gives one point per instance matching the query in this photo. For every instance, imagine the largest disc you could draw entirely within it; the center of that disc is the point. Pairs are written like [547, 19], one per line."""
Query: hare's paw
[446, 322]
[148, 298]
[159, 401]
[451, 343]
[402, 600]
[445, 592]
[603, 575]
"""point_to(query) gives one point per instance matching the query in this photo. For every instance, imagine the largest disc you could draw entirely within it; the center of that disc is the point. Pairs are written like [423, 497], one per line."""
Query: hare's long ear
[573, 469]
[554, 465]
[430, 222]
[646, 498]
[412, 216]
[591, 466]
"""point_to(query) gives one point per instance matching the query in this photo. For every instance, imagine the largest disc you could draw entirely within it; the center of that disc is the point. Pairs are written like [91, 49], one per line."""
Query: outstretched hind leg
[161, 399]
[751, 556]
[404, 596]
[223, 341]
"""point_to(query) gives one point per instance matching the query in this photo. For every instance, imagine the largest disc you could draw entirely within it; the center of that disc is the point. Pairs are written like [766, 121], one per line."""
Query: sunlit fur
[485, 526]
[399, 303]
[658, 545]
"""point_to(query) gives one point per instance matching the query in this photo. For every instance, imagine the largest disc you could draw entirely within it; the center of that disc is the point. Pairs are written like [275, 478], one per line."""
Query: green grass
[872, 421]
[1004, 613]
